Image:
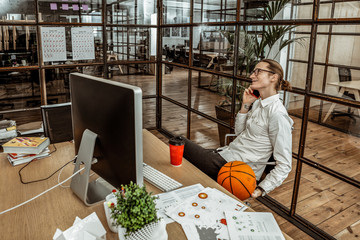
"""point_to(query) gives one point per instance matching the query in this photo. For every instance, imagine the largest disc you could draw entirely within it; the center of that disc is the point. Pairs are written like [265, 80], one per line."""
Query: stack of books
[7, 130]
[25, 149]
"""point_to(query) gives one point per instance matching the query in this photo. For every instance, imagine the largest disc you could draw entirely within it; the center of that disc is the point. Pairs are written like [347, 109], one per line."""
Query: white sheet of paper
[90, 224]
[190, 231]
[253, 226]
[206, 212]
[169, 199]
[53, 44]
[82, 39]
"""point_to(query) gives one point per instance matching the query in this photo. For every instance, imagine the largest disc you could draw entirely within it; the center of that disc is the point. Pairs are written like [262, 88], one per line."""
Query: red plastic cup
[176, 151]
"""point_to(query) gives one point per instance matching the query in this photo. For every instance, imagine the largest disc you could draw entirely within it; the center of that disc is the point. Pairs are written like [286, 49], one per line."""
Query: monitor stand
[93, 192]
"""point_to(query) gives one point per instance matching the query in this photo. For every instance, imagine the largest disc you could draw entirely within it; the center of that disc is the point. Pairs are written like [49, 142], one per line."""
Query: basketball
[238, 178]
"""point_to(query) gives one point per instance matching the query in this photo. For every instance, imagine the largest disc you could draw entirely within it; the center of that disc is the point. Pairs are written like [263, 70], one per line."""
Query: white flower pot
[151, 231]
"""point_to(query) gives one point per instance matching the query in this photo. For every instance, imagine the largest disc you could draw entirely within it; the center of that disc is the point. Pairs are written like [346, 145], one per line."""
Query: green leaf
[135, 208]
[274, 7]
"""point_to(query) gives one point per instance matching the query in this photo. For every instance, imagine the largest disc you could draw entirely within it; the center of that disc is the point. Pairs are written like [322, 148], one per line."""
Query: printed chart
[82, 39]
[53, 44]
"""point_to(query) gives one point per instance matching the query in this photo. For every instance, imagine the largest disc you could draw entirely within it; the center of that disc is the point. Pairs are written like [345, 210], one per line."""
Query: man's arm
[281, 140]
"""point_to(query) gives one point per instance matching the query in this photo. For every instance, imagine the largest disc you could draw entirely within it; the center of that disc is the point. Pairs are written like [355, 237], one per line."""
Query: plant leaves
[274, 7]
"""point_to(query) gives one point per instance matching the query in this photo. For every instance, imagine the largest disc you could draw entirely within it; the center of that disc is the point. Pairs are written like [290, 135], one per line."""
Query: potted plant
[135, 214]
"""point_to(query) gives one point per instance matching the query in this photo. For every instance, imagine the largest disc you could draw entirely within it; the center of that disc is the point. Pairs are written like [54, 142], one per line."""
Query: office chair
[344, 76]
[57, 122]
[217, 62]
[175, 55]
[184, 58]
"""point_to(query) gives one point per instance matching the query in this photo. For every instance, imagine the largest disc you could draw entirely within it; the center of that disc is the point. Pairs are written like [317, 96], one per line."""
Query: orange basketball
[238, 178]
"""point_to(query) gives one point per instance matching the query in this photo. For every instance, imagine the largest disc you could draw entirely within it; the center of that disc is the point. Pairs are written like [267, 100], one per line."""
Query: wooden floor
[330, 204]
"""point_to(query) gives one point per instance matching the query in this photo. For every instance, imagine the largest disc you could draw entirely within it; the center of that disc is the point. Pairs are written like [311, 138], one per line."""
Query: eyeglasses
[256, 71]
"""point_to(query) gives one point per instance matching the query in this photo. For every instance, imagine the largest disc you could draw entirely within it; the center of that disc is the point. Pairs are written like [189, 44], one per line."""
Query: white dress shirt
[264, 130]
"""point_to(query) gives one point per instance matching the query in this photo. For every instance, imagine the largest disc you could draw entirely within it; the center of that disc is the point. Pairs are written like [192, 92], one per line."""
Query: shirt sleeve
[240, 122]
[281, 139]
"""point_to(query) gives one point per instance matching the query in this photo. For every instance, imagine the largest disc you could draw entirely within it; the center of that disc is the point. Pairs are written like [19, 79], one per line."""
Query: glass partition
[284, 192]
[18, 11]
[294, 104]
[346, 9]
[174, 118]
[76, 44]
[176, 12]
[70, 11]
[131, 12]
[149, 113]
[142, 76]
[206, 137]
[131, 44]
[175, 84]
[19, 90]
[19, 52]
[175, 43]
[205, 92]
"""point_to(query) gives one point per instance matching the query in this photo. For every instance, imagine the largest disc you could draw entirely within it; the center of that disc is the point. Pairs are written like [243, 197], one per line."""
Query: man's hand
[248, 96]
[257, 193]
[247, 100]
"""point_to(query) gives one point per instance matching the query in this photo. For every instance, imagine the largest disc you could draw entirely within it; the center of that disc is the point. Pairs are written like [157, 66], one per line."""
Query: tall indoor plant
[252, 45]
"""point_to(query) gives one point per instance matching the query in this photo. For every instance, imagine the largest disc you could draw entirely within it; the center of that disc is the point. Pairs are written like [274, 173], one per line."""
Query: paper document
[82, 39]
[202, 215]
[175, 197]
[253, 226]
[53, 44]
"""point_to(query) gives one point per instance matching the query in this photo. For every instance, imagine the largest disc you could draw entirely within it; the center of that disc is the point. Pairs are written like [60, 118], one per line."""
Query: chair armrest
[229, 135]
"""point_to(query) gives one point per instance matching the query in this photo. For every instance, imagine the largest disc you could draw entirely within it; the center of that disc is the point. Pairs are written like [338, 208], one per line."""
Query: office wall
[344, 49]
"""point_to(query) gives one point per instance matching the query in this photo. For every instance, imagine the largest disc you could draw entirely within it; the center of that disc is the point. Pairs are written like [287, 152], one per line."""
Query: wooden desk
[210, 55]
[115, 56]
[350, 86]
[59, 207]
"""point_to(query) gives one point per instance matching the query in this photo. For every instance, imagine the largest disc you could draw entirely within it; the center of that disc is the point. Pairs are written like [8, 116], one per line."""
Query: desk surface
[349, 84]
[59, 207]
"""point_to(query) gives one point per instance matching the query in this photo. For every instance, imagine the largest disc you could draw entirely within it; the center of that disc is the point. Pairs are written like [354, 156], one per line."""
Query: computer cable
[39, 180]
[21, 204]
[68, 185]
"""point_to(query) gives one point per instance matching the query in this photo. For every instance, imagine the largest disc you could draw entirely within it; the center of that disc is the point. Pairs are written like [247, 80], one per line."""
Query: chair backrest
[344, 74]
[57, 122]
[268, 168]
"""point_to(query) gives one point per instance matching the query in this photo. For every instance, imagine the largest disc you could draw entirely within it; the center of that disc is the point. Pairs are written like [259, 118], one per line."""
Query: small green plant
[134, 207]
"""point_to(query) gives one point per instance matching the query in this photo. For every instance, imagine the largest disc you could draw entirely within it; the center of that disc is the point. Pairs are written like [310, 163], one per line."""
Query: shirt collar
[269, 100]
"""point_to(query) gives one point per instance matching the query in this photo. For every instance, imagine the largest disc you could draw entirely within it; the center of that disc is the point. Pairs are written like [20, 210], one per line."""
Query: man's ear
[274, 78]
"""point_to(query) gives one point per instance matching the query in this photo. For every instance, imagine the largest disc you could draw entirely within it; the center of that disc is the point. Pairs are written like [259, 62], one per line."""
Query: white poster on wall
[83, 47]
[53, 44]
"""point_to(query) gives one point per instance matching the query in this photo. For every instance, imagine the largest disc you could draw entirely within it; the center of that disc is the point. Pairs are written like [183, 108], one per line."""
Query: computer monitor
[107, 129]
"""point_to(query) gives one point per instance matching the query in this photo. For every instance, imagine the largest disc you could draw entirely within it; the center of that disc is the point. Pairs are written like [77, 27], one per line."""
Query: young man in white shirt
[262, 132]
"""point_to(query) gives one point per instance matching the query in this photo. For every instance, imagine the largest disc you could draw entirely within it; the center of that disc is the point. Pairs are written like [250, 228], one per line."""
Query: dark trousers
[207, 160]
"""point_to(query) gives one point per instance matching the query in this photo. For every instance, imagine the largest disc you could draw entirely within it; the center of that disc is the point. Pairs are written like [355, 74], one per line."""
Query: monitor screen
[113, 111]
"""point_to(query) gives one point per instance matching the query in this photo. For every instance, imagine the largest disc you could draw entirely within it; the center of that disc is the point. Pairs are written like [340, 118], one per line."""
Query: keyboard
[159, 180]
